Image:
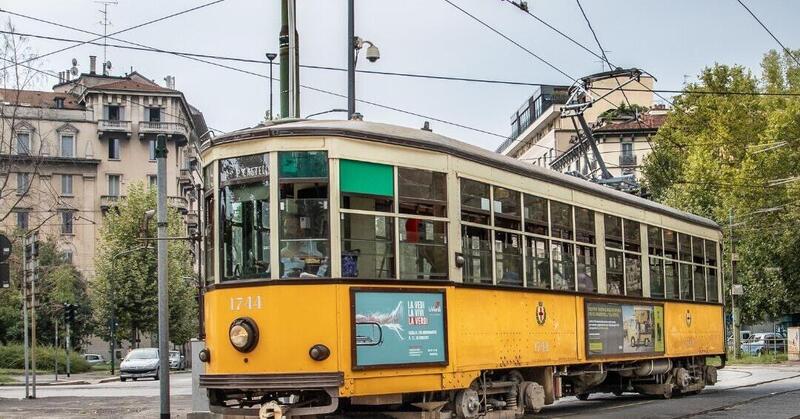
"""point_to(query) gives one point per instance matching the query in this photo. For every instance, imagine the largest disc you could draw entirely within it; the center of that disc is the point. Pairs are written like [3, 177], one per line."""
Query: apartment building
[540, 136]
[68, 155]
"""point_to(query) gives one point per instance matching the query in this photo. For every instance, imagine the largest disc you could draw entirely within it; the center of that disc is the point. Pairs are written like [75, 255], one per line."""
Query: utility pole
[25, 340]
[734, 316]
[351, 60]
[271, 57]
[163, 301]
[289, 53]
[55, 358]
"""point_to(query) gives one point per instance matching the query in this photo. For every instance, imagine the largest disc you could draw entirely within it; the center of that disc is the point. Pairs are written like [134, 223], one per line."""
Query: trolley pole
[163, 301]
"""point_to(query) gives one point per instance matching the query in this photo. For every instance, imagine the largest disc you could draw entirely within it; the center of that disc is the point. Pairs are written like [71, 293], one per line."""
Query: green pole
[283, 41]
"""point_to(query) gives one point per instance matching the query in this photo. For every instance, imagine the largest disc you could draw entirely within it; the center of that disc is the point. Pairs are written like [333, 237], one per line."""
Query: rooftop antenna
[105, 22]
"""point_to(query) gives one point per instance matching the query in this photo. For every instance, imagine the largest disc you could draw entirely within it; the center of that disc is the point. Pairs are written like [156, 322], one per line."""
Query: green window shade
[303, 164]
[366, 178]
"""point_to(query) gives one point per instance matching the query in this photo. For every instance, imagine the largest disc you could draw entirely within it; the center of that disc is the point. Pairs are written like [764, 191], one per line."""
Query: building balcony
[108, 201]
[627, 160]
[173, 130]
[108, 126]
[185, 177]
[178, 202]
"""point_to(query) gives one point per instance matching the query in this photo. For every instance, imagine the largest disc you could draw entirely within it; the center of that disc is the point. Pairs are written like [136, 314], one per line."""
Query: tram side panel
[290, 319]
[694, 329]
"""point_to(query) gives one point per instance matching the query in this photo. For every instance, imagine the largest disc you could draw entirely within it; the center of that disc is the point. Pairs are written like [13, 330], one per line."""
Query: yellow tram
[362, 266]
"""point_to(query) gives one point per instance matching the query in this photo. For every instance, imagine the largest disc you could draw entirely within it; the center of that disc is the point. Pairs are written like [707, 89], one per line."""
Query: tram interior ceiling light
[243, 334]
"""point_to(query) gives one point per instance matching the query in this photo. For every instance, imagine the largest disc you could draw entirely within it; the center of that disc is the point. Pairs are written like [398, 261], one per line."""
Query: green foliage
[708, 159]
[59, 282]
[624, 110]
[126, 283]
[12, 357]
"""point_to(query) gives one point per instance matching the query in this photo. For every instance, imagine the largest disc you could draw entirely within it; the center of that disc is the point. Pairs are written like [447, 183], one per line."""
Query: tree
[718, 154]
[126, 285]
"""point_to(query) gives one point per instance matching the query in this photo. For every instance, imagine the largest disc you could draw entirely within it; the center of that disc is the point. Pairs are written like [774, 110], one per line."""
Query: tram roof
[418, 138]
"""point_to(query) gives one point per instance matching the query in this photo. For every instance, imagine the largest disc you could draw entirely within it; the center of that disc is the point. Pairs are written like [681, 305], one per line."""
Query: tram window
[536, 215]
[614, 273]
[711, 253]
[537, 263]
[584, 225]
[633, 275]
[685, 247]
[209, 213]
[671, 244]
[587, 269]
[686, 281]
[304, 222]
[699, 283]
[244, 196]
[656, 277]
[506, 209]
[561, 218]
[613, 227]
[303, 165]
[508, 258]
[477, 249]
[474, 201]
[367, 246]
[671, 279]
[697, 251]
[563, 257]
[423, 249]
[655, 246]
[366, 186]
[422, 192]
[633, 239]
[713, 294]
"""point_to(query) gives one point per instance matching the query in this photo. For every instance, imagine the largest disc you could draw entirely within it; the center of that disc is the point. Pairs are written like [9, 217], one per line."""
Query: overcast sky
[671, 39]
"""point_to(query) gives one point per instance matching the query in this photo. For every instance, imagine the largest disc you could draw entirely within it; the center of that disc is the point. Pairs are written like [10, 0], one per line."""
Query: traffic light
[69, 312]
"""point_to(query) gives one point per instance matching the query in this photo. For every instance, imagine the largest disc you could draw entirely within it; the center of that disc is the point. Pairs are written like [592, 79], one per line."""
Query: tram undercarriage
[498, 394]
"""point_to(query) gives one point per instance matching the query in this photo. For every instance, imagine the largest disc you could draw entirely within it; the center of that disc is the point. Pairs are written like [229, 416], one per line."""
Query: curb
[47, 384]
[108, 380]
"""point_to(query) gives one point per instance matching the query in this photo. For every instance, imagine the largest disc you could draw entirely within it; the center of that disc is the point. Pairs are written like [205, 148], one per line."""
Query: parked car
[94, 359]
[744, 336]
[762, 343]
[140, 363]
[176, 361]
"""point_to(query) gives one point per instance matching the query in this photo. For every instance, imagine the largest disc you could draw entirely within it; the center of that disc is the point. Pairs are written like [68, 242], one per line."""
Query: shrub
[12, 357]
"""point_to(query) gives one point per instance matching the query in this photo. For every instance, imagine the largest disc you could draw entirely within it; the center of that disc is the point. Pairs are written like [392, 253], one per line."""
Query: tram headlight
[243, 334]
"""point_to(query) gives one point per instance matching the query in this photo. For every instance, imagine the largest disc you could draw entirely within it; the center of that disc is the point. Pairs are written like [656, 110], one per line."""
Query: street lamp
[354, 44]
[270, 56]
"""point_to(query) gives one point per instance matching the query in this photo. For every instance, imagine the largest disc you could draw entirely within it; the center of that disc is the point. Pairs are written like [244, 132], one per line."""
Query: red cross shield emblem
[541, 314]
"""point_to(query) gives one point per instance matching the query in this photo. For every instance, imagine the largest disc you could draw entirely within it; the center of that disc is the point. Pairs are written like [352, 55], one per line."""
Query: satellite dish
[74, 62]
[74, 70]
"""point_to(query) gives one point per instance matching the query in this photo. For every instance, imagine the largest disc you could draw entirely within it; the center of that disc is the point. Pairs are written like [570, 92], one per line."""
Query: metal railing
[163, 127]
[627, 160]
[768, 346]
[113, 125]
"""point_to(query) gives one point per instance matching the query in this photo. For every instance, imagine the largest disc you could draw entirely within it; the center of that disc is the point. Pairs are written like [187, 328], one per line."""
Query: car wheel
[134, 378]
[583, 396]
[123, 379]
[158, 376]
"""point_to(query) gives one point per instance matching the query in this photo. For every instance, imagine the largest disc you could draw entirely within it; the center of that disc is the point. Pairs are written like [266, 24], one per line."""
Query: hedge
[12, 357]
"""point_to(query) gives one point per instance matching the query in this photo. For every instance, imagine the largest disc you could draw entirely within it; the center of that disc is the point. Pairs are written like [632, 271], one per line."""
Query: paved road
[758, 392]
[763, 392]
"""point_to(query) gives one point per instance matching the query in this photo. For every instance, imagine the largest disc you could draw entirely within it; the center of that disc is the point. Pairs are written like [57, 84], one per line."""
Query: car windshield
[174, 354]
[143, 354]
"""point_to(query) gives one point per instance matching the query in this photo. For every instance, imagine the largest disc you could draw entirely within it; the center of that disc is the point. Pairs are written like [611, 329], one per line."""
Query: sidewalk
[48, 378]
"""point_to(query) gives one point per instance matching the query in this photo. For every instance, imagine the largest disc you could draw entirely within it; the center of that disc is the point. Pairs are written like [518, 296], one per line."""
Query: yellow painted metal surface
[487, 329]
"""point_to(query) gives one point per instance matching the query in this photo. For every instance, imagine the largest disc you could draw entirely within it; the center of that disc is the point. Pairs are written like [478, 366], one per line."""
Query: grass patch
[11, 357]
[746, 359]
[4, 378]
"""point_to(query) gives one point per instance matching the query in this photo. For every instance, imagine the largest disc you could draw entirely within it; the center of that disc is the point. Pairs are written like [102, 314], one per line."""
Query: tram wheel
[468, 403]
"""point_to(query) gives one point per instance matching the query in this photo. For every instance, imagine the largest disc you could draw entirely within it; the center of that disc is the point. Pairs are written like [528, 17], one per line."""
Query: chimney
[170, 82]
[60, 77]
[92, 64]
[67, 75]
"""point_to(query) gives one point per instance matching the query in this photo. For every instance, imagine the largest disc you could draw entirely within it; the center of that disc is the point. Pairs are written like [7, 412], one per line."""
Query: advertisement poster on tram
[621, 329]
[398, 328]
